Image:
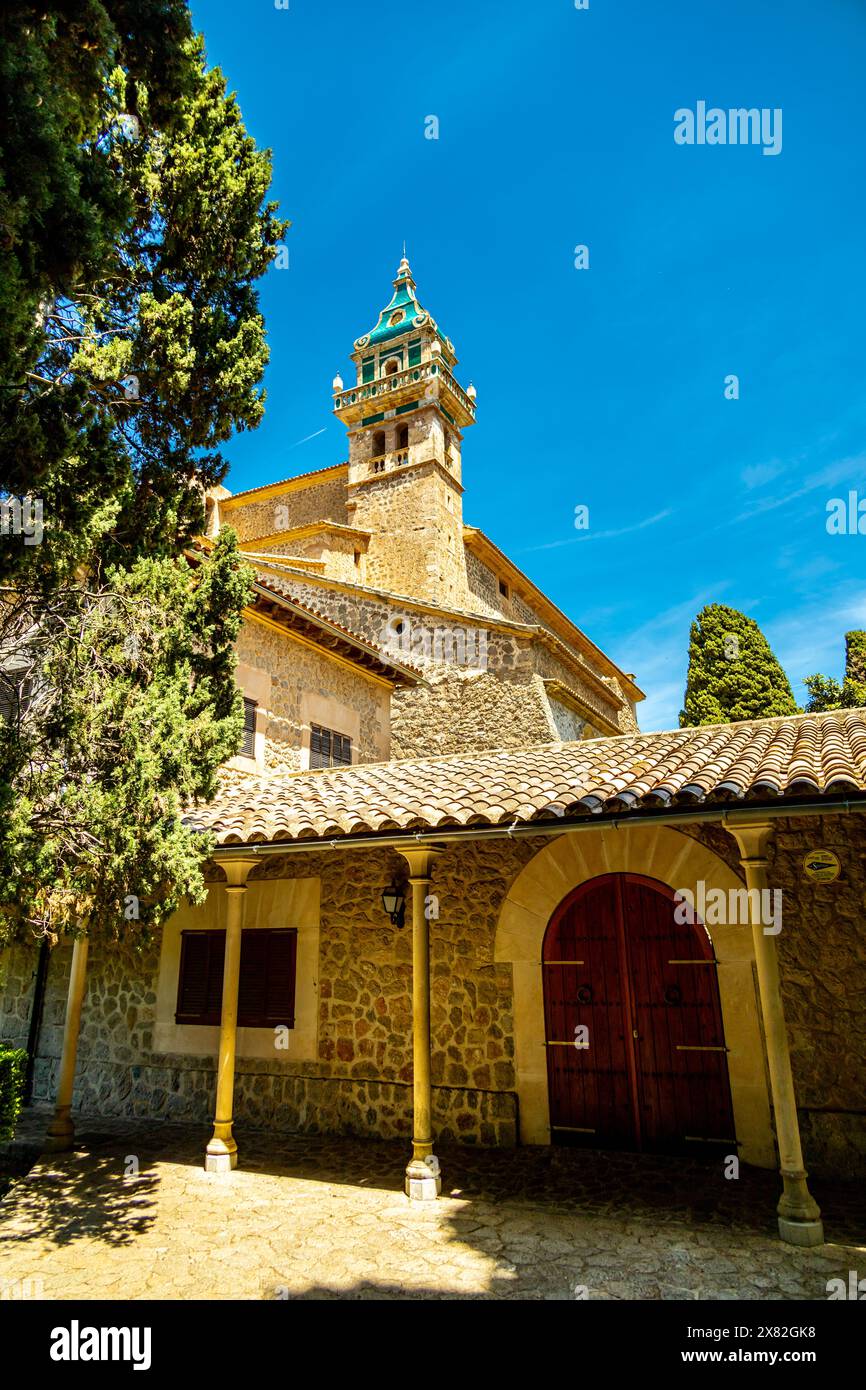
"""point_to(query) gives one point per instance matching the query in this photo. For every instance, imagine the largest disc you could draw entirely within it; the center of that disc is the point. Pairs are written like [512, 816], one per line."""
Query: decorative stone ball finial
[471, 392]
[338, 382]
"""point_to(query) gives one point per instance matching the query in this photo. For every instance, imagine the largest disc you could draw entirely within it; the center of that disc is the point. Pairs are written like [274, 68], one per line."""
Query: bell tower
[406, 414]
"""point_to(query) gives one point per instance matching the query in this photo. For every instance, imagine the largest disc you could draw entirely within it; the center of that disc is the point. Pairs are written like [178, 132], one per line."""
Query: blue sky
[603, 387]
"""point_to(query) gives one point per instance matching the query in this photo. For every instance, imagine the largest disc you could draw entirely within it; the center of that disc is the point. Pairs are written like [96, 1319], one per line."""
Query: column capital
[237, 869]
[753, 837]
[420, 860]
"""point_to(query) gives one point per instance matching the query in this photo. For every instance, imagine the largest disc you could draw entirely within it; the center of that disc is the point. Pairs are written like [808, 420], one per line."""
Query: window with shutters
[248, 747]
[328, 748]
[266, 991]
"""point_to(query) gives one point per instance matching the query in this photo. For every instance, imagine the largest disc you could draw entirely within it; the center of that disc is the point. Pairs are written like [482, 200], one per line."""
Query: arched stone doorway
[636, 1055]
[670, 858]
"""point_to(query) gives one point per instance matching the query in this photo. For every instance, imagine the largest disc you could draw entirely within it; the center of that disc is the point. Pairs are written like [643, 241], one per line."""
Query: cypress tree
[733, 673]
[825, 693]
[135, 227]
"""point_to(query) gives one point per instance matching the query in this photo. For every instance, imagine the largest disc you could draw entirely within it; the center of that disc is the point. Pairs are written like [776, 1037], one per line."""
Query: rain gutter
[724, 816]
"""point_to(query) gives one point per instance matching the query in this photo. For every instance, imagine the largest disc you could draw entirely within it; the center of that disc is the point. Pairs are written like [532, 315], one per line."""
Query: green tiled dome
[402, 315]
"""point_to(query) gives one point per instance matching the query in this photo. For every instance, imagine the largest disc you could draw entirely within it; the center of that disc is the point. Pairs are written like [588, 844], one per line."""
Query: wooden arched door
[636, 1054]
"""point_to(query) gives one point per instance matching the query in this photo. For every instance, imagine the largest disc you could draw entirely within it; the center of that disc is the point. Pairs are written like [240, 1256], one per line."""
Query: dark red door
[635, 1049]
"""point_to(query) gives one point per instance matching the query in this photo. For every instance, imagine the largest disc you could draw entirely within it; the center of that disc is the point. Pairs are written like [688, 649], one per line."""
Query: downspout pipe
[36, 1009]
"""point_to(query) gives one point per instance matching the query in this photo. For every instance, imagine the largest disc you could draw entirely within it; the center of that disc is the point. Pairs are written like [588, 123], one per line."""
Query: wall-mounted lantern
[394, 903]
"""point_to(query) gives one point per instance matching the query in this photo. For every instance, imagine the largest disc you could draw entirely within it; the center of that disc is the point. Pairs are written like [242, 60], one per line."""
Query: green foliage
[134, 229]
[733, 673]
[134, 708]
[825, 693]
[13, 1063]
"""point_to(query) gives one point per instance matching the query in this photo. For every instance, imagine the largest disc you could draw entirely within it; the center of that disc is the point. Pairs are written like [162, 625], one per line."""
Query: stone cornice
[490, 554]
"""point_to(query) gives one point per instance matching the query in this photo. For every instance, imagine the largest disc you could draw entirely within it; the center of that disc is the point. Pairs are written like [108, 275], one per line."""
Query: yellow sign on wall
[822, 866]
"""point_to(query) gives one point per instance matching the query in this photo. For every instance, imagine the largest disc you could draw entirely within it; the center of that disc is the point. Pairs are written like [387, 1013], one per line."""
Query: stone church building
[456, 894]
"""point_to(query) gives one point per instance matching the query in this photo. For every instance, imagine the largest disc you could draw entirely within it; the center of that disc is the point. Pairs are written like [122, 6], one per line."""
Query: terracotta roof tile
[802, 755]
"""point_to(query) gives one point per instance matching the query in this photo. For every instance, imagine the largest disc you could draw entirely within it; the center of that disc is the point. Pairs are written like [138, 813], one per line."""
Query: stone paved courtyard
[314, 1217]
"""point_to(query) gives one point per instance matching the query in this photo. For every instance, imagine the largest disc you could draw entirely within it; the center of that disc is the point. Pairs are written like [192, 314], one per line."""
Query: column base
[801, 1232]
[221, 1156]
[423, 1179]
[220, 1163]
[60, 1135]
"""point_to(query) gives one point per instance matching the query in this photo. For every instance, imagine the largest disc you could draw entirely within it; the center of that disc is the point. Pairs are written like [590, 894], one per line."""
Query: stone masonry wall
[319, 501]
[297, 672]
[360, 1082]
[485, 596]
[569, 725]
[465, 712]
[416, 545]
[501, 705]
[823, 959]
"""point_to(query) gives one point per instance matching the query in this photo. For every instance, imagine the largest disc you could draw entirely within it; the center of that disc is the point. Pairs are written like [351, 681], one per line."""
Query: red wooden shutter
[266, 989]
[266, 995]
[253, 987]
[282, 966]
[200, 984]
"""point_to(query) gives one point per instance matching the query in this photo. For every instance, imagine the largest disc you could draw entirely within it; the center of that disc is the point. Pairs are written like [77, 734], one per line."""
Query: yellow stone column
[61, 1131]
[423, 1177]
[222, 1151]
[799, 1214]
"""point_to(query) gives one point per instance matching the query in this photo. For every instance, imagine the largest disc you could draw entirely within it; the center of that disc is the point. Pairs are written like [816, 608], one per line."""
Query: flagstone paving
[132, 1215]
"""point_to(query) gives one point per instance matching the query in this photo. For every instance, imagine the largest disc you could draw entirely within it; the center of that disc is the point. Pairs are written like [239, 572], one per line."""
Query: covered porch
[699, 809]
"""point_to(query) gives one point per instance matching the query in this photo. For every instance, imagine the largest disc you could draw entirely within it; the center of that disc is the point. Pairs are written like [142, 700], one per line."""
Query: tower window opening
[503, 588]
[392, 366]
[378, 443]
[403, 437]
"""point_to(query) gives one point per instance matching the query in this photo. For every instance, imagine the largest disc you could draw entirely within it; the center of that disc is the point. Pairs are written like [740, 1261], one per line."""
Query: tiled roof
[806, 757]
[325, 632]
[480, 544]
[233, 497]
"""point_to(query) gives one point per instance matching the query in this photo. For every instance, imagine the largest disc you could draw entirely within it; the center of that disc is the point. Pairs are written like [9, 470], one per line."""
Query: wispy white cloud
[601, 535]
[810, 638]
[759, 474]
[842, 470]
[813, 637]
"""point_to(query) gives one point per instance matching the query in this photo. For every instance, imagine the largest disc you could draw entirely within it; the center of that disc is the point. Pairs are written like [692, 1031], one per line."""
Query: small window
[503, 588]
[266, 989]
[403, 437]
[392, 366]
[248, 747]
[378, 443]
[328, 748]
